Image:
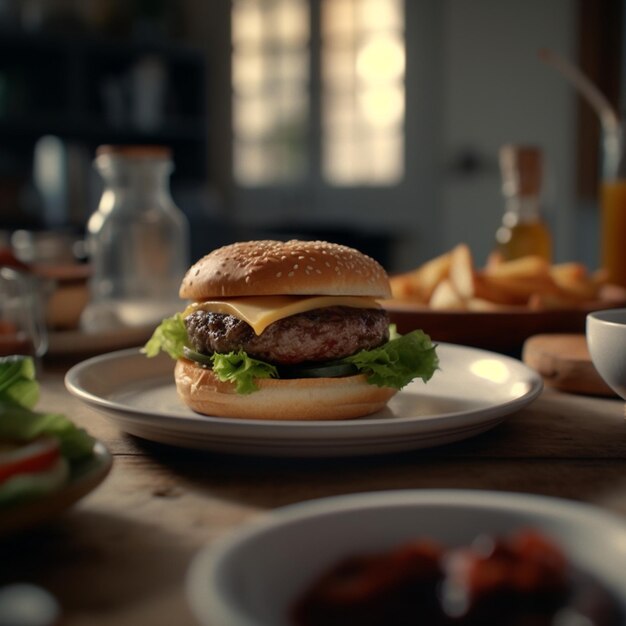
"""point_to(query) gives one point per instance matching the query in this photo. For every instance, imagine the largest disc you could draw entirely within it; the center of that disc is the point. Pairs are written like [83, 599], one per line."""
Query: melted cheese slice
[261, 311]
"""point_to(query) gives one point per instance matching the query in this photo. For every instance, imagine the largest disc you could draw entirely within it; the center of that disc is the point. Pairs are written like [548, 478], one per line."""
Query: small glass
[22, 318]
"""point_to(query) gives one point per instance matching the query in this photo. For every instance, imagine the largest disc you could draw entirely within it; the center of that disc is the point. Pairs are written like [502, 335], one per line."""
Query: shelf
[93, 128]
[82, 89]
[56, 85]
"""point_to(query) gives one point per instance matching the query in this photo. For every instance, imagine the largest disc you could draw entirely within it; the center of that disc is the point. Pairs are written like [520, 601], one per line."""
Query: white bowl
[253, 577]
[606, 339]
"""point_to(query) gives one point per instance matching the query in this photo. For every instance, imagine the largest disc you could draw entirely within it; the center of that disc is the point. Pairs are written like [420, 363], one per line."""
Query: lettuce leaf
[241, 370]
[396, 363]
[21, 425]
[17, 381]
[169, 336]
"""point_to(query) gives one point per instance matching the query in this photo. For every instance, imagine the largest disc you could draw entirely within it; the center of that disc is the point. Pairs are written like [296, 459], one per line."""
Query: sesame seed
[296, 266]
[290, 274]
[279, 274]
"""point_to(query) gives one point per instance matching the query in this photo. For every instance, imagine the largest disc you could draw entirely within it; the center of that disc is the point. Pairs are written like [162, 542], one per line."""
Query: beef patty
[317, 335]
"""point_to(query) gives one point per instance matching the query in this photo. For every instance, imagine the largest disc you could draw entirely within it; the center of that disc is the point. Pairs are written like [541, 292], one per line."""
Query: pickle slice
[333, 369]
[198, 357]
[318, 370]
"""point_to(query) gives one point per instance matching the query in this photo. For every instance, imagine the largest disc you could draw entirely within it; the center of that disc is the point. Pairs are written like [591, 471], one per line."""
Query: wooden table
[120, 556]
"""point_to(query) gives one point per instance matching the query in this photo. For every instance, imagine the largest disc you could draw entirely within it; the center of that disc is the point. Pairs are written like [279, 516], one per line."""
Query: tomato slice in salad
[31, 458]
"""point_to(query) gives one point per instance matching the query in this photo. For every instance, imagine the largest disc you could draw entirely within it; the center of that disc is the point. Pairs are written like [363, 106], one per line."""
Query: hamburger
[288, 330]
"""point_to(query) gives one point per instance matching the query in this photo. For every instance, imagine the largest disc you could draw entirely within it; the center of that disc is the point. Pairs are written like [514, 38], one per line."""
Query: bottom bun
[292, 399]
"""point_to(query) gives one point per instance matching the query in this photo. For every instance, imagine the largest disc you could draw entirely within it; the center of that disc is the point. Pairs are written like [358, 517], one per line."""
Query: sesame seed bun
[293, 399]
[264, 268]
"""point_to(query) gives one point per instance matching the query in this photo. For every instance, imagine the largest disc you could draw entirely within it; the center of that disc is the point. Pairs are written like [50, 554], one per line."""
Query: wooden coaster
[565, 364]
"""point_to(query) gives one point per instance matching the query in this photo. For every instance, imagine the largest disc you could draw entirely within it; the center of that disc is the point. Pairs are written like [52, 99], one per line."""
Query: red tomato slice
[31, 458]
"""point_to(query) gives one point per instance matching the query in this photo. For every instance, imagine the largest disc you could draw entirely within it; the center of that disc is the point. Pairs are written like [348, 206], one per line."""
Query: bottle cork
[521, 168]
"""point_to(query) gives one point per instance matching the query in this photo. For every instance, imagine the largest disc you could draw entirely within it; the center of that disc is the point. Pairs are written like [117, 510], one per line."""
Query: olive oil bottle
[523, 230]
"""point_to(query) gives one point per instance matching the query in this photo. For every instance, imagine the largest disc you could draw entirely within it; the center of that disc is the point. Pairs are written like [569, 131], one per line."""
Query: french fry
[480, 304]
[574, 280]
[445, 297]
[517, 290]
[420, 283]
[494, 259]
[470, 284]
[531, 267]
[402, 288]
[451, 281]
[462, 272]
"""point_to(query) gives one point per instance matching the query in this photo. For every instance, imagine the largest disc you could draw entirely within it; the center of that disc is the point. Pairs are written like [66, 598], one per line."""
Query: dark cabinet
[92, 90]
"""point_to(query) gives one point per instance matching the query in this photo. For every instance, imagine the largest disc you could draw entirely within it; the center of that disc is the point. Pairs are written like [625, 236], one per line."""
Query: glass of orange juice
[613, 229]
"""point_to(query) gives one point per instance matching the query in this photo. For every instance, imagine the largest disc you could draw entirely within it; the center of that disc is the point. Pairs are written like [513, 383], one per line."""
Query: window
[318, 96]
[270, 78]
[362, 91]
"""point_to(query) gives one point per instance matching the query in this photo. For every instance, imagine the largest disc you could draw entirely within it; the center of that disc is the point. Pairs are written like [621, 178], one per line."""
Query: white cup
[606, 339]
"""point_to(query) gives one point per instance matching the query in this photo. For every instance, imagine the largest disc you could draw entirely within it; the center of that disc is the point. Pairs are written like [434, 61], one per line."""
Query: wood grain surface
[121, 555]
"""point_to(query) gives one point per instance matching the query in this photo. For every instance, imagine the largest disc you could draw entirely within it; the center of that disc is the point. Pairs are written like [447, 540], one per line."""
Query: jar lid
[135, 151]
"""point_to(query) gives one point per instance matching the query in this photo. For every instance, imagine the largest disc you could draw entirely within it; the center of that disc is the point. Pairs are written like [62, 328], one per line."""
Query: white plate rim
[494, 412]
[208, 604]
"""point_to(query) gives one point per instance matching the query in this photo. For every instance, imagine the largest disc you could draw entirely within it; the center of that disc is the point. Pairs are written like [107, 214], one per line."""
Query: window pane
[290, 22]
[253, 117]
[270, 77]
[338, 67]
[363, 106]
[253, 163]
[338, 19]
[382, 107]
[340, 114]
[341, 160]
[387, 167]
[291, 67]
[381, 15]
[381, 58]
[249, 72]
[247, 23]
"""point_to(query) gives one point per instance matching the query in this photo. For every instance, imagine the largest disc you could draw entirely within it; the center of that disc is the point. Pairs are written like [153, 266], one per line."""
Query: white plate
[85, 477]
[474, 391]
[252, 577]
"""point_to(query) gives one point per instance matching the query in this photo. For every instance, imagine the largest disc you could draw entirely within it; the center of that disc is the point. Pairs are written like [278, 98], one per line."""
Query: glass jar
[523, 231]
[138, 240]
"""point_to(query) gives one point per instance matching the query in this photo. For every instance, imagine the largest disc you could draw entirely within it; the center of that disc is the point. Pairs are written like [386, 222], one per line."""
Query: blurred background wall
[372, 122]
